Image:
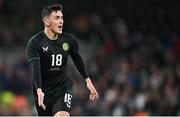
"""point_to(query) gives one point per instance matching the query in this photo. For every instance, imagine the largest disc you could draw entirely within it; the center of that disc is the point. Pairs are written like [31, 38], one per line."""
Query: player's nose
[60, 23]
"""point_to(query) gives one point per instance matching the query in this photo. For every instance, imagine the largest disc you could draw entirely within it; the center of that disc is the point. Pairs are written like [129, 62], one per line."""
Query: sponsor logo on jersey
[54, 69]
[45, 49]
[65, 46]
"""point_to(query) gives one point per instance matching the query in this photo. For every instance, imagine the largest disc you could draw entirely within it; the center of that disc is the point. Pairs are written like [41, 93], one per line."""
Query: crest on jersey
[65, 46]
[45, 49]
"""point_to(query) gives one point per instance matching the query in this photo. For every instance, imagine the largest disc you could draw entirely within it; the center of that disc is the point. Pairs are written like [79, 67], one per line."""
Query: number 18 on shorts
[67, 99]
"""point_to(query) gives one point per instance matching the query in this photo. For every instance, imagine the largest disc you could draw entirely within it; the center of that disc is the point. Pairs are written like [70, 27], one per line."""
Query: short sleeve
[32, 51]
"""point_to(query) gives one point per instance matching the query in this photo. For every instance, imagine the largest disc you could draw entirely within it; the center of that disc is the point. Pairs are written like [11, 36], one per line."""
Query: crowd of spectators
[134, 62]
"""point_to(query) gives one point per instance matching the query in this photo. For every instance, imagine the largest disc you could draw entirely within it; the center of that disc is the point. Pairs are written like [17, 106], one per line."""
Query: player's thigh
[62, 104]
[61, 113]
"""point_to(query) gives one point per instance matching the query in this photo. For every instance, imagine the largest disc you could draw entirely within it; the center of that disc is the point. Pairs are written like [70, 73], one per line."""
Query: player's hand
[93, 93]
[41, 98]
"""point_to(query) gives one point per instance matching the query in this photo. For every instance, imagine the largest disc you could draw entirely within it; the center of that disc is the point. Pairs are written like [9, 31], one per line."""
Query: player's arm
[35, 68]
[33, 59]
[77, 59]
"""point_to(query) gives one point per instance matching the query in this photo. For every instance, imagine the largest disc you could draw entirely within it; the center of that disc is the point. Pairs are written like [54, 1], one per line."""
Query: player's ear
[46, 21]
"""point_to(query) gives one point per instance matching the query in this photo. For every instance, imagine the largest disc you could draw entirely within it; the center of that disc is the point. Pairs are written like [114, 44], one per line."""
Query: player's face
[56, 22]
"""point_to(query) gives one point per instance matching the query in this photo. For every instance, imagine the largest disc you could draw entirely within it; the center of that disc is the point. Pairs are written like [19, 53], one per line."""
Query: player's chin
[59, 31]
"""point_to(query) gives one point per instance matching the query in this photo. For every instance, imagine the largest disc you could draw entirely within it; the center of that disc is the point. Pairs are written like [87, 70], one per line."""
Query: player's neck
[51, 35]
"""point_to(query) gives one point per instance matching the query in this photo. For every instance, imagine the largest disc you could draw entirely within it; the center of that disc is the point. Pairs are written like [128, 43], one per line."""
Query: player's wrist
[88, 80]
[39, 90]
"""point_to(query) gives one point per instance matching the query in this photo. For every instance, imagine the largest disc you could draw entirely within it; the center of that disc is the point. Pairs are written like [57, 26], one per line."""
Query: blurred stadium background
[131, 49]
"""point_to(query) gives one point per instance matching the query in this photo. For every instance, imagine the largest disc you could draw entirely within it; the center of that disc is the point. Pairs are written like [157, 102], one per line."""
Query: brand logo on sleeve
[45, 49]
[65, 46]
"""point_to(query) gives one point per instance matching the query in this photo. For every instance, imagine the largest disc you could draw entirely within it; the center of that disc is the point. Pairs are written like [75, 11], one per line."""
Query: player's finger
[39, 101]
[95, 92]
[43, 106]
[90, 96]
[96, 95]
[93, 97]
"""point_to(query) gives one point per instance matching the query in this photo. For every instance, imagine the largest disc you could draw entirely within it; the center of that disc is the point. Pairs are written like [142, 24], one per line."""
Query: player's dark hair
[46, 11]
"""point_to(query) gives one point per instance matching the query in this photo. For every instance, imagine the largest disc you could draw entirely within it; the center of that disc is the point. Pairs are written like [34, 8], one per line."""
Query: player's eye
[57, 17]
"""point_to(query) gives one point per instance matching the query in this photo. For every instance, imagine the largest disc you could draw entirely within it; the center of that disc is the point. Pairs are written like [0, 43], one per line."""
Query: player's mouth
[60, 27]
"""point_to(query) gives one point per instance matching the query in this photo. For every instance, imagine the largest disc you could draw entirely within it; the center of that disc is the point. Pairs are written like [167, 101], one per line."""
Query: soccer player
[47, 53]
